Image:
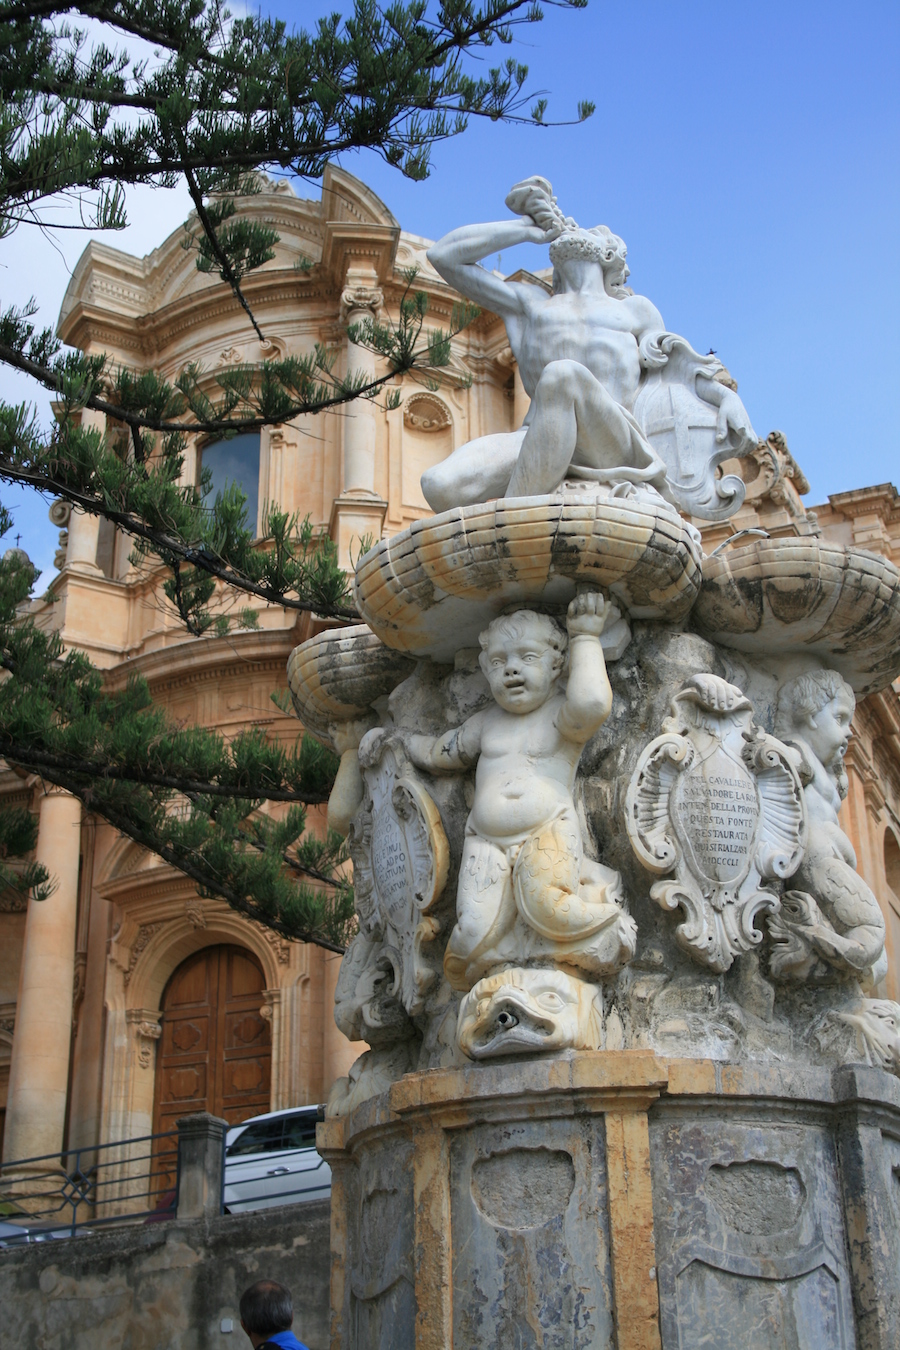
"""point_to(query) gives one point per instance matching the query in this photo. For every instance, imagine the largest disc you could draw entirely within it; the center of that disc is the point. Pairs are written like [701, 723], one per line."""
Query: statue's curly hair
[516, 625]
[806, 695]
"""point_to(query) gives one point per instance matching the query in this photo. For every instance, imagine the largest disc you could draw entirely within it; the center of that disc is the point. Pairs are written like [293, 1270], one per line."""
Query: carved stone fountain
[626, 1084]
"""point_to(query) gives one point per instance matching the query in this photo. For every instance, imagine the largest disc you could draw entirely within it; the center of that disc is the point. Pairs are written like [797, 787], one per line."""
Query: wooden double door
[215, 1052]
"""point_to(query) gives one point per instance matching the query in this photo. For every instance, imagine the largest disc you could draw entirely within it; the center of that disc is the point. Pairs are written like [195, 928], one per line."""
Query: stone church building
[126, 1000]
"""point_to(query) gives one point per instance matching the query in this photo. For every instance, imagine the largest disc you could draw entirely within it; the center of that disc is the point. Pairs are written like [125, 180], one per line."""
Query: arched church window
[234, 461]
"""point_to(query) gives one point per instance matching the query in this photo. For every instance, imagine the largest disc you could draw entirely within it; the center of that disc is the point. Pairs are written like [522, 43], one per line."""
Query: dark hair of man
[267, 1307]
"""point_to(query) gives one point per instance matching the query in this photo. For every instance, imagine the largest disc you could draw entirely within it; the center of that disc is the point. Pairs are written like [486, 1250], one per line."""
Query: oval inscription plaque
[715, 810]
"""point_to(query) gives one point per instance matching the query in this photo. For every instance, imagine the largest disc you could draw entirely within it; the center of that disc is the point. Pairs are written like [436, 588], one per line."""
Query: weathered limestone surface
[595, 835]
[525, 1228]
[430, 590]
[805, 597]
[669, 1203]
[166, 1286]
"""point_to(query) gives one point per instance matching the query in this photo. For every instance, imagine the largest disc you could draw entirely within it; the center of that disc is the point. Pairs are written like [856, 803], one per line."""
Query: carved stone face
[523, 1011]
[521, 670]
[827, 732]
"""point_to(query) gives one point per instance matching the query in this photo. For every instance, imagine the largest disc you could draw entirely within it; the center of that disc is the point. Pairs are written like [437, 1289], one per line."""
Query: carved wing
[647, 802]
[783, 828]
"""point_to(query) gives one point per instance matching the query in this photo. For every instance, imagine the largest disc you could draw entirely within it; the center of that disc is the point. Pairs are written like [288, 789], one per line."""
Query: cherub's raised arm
[453, 752]
[588, 700]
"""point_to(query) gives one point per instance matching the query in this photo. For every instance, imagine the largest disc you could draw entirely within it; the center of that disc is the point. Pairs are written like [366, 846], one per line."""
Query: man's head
[817, 708]
[522, 655]
[599, 246]
[266, 1308]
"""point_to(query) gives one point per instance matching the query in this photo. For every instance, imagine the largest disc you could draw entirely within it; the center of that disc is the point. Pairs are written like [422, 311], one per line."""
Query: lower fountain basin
[338, 675]
[806, 597]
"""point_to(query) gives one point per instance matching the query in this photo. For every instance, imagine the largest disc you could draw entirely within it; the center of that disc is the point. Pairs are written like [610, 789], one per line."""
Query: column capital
[360, 301]
[147, 1029]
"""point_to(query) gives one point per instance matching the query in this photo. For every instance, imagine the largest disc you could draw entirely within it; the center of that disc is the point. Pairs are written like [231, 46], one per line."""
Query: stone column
[39, 1072]
[360, 302]
[521, 401]
[84, 529]
[359, 510]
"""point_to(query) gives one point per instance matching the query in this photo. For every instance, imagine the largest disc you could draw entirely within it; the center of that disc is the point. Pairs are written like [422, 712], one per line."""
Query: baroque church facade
[126, 1000]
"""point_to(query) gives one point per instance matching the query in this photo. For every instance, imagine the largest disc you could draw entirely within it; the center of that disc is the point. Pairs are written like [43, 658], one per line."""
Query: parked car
[272, 1160]
[16, 1234]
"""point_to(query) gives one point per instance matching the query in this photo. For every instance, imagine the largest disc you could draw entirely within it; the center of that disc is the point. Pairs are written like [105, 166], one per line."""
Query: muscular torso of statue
[599, 333]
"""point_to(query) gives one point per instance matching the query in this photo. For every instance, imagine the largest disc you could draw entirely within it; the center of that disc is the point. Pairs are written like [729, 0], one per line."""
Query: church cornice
[201, 659]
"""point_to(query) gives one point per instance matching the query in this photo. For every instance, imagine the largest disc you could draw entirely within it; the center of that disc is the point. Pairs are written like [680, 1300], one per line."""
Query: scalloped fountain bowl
[431, 589]
[806, 597]
[337, 676]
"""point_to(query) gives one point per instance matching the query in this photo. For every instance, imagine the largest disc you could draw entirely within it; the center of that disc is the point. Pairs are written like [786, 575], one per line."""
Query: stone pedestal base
[355, 516]
[618, 1200]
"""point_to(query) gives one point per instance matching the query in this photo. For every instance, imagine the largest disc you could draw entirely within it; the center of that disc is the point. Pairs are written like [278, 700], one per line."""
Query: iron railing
[60, 1194]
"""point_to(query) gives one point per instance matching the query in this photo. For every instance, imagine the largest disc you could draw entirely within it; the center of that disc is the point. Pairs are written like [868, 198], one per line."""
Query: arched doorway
[215, 1052]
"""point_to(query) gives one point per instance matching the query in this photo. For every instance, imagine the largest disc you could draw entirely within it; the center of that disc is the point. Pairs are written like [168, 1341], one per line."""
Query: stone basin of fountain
[431, 589]
[337, 675]
[805, 597]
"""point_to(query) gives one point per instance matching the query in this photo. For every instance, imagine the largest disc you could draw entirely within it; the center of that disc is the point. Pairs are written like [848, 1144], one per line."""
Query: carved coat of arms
[717, 802]
[681, 427]
[400, 862]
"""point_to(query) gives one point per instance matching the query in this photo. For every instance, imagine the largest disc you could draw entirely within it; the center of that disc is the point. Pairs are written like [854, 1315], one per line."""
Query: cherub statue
[526, 893]
[830, 920]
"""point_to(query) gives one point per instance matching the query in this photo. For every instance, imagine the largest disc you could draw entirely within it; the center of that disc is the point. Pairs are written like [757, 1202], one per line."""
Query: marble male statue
[526, 892]
[581, 353]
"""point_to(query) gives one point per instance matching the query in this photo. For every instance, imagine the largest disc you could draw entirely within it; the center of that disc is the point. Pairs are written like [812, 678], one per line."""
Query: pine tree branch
[209, 230]
[51, 380]
[198, 873]
[166, 543]
[40, 761]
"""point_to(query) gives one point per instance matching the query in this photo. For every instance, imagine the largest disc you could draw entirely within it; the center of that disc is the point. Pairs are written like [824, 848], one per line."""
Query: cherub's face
[521, 671]
[827, 732]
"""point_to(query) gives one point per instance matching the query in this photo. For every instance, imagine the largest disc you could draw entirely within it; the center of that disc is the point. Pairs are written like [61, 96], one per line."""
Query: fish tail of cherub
[485, 908]
[547, 884]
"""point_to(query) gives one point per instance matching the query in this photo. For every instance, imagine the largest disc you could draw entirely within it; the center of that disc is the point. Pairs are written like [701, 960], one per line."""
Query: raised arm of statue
[588, 700]
[458, 254]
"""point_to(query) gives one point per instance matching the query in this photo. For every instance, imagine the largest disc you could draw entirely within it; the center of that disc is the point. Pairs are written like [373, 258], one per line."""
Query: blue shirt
[287, 1340]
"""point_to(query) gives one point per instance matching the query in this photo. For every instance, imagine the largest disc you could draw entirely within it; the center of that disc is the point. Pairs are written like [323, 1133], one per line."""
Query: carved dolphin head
[517, 1012]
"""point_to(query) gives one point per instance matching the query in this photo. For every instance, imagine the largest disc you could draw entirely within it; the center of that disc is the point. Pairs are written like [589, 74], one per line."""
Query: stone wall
[166, 1286]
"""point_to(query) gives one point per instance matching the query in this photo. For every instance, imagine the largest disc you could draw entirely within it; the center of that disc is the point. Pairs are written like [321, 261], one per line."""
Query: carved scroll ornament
[718, 803]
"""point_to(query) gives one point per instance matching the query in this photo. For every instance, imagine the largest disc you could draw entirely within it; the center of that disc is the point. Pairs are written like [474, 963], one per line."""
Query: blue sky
[748, 155]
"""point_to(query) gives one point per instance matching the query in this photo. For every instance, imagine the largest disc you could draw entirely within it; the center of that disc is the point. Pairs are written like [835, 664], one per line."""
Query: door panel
[215, 1052]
